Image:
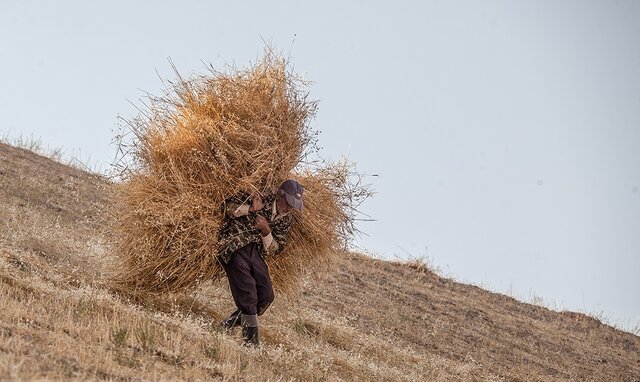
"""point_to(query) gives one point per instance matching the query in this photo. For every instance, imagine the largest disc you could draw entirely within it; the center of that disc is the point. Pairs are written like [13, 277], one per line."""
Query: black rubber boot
[250, 336]
[232, 321]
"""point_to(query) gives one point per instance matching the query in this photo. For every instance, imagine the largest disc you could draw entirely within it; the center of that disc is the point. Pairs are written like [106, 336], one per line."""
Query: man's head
[289, 196]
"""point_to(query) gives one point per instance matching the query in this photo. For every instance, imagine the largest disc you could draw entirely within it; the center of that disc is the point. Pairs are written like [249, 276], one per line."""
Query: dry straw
[206, 139]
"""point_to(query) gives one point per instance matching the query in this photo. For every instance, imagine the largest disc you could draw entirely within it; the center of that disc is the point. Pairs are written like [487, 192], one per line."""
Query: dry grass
[209, 138]
[73, 158]
[367, 320]
[86, 333]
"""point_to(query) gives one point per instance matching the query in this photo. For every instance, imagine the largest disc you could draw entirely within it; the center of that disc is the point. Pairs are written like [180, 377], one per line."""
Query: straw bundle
[211, 137]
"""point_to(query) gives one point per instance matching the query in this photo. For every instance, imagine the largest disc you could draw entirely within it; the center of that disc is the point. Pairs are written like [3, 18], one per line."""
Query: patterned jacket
[237, 228]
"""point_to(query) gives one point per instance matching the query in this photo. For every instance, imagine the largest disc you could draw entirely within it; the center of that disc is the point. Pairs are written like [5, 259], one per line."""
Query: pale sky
[506, 134]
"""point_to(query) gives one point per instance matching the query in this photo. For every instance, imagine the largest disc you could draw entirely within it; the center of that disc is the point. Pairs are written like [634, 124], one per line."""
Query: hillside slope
[369, 320]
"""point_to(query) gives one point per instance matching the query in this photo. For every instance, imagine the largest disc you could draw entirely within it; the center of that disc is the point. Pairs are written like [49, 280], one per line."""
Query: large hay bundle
[207, 139]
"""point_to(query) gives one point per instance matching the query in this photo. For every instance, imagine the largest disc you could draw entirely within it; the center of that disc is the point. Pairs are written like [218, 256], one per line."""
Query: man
[251, 230]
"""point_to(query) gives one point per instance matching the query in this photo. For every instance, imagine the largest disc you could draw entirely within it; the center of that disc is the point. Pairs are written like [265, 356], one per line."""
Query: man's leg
[244, 292]
[232, 321]
[260, 273]
[241, 282]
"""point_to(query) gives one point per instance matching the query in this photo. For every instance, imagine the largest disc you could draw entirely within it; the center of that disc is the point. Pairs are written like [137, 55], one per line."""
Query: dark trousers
[249, 280]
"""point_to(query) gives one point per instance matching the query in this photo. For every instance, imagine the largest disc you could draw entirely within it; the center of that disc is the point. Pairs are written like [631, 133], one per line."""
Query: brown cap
[293, 192]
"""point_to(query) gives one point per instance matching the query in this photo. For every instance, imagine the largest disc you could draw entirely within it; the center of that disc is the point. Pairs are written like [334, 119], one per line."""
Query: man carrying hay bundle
[203, 144]
[250, 231]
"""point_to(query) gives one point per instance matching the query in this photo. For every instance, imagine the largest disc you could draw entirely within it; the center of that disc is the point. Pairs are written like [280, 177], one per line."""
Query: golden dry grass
[209, 138]
[367, 320]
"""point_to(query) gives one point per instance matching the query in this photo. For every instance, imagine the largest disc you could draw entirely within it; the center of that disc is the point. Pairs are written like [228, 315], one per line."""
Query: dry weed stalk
[211, 137]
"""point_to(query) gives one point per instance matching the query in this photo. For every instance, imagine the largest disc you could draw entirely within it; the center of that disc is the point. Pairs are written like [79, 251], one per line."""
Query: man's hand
[262, 224]
[256, 203]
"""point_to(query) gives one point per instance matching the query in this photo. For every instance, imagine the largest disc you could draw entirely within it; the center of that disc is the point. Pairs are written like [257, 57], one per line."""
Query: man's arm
[262, 224]
[270, 245]
[236, 207]
[273, 240]
[235, 210]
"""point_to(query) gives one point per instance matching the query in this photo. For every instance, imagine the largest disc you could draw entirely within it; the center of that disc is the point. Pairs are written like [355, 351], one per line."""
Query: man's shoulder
[238, 198]
[268, 197]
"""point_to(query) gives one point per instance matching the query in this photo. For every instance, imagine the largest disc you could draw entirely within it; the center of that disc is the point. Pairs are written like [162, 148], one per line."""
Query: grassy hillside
[370, 320]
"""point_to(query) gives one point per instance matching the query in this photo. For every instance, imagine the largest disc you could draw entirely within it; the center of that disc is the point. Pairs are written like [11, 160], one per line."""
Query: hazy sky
[506, 133]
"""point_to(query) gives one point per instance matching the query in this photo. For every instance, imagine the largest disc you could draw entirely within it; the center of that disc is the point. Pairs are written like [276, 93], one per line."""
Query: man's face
[281, 203]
